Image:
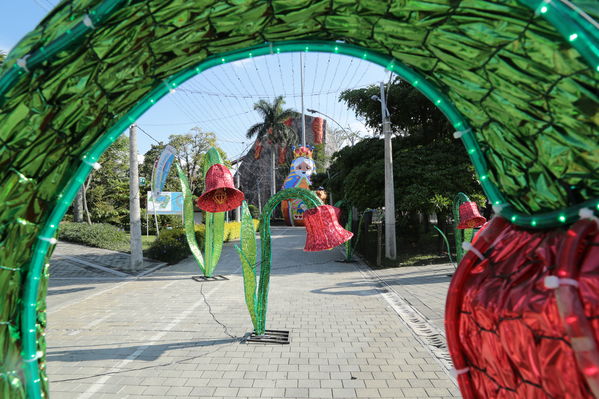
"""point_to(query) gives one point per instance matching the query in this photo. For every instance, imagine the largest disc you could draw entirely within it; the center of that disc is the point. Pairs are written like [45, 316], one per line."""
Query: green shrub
[100, 235]
[233, 230]
[254, 211]
[171, 245]
[165, 222]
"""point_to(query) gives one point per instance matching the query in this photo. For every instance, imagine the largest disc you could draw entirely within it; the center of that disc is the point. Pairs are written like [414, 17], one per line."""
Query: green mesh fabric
[215, 222]
[460, 235]
[311, 201]
[247, 256]
[526, 87]
[188, 220]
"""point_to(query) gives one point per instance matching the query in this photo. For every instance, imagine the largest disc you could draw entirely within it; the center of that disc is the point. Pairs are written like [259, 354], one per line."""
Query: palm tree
[273, 129]
[2, 56]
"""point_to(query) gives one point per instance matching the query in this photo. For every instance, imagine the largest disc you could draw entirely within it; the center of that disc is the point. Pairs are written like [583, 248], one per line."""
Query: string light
[87, 21]
[28, 320]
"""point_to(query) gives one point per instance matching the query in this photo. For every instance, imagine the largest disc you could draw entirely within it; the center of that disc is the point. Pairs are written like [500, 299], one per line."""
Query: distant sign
[378, 215]
[166, 203]
[142, 181]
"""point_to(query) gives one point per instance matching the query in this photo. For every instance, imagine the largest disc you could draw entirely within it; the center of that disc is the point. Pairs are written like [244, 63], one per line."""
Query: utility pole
[259, 197]
[136, 262]
[238, 213]
[273, 188]
[302, 96]
[390, 243]
[78, 206]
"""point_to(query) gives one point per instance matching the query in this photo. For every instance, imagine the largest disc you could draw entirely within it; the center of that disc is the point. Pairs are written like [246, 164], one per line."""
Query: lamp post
[390, 243]
[349, 135]
[313, 111]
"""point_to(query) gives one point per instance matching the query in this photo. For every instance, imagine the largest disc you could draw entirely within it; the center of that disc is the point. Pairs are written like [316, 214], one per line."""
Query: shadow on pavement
[69, 290]
[368, 289]
[151, 352]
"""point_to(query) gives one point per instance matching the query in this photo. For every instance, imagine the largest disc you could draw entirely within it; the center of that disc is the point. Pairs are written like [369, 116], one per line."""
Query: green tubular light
[567, 21]
[582, 34]
[94, 18]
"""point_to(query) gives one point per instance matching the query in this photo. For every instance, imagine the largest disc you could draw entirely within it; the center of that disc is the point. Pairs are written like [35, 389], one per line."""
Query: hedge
[171, 245]
[100, 235]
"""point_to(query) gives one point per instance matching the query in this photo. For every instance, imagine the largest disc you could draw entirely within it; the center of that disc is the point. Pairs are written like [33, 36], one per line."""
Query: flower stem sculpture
[220, 195]
[349, 246]
[323, 232]
[460, 235]
[464, 229]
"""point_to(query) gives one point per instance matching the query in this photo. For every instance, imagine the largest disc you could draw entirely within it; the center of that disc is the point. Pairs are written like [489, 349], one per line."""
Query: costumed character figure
[322, 194]
[301, 169]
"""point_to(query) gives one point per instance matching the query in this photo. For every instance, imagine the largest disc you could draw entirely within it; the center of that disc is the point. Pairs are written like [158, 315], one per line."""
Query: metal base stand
[202, 279]
[270, 337]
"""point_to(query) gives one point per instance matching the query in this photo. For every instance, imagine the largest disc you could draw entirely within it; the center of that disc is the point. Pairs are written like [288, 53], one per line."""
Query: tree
[273, 129]
[427, 177]
[190, 148]
[107, 189]
[2, 56]
[430, 167]
[412, 114]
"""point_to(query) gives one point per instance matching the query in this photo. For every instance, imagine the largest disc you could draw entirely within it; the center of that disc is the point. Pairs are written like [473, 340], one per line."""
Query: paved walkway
[71, 260]
[166, 335]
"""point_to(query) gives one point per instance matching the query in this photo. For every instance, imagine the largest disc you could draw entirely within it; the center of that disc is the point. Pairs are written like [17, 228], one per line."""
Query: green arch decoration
[517, 79]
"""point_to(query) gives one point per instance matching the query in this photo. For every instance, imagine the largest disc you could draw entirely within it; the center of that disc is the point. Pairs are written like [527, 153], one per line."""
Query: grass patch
[146, 243]
[425, 248]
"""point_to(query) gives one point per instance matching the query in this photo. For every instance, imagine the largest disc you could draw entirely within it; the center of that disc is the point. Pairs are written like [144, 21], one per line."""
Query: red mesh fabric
[282, 155]
[257, 150]
[337, 213]
[317, 124]
[220, 194]
[503, 323]
[323, 229]
[470, 217]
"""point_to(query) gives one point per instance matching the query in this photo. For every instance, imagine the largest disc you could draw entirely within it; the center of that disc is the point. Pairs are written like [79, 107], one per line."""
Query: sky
[220, 100]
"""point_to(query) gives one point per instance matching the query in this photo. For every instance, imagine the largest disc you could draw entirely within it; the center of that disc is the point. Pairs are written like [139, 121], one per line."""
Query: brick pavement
[423, 287]
[74, 260]
[154, 336]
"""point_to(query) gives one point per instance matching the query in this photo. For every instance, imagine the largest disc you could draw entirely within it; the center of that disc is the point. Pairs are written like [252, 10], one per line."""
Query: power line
[148, 134]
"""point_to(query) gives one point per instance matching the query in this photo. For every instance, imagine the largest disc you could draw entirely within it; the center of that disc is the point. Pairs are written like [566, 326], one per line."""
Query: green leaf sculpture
[461, 235]
[257, 300]
[247, 255]
[215, 222]
[350, 245]
[188, 221]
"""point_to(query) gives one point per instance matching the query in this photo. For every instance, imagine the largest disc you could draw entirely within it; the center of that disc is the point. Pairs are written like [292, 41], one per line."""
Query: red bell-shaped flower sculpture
[469, 216]
[323, 229]
[220, 194]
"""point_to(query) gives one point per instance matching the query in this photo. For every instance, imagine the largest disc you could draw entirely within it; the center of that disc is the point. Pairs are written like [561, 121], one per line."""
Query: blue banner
[161, 168]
